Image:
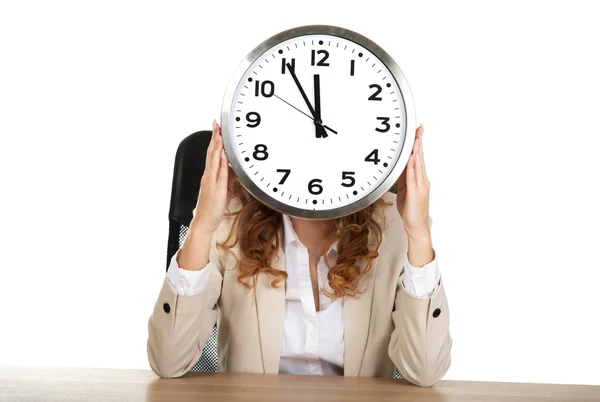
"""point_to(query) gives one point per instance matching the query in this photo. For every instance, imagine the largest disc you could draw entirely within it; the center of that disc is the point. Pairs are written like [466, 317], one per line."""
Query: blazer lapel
[357, 319]
[270, 309]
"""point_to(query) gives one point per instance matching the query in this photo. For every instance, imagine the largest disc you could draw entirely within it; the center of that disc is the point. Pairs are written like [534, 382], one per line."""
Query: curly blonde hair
[255, 228]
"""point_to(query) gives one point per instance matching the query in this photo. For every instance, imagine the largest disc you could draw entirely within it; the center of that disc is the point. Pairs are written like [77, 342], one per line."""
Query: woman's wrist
[420, 250]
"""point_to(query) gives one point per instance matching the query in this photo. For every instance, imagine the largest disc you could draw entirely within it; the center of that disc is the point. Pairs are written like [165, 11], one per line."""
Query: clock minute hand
[312, 111]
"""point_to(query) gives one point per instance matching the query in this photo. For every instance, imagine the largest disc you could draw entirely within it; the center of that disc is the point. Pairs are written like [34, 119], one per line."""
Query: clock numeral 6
[322, 62]
[286, 173]
[260, 152]
[314, 186]
[266, 89]
[348, 175]
[374, 97]
[253, 119]
[373, 157]
[384, 122]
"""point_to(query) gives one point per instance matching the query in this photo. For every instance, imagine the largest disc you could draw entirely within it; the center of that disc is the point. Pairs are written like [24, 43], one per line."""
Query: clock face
[316, 125]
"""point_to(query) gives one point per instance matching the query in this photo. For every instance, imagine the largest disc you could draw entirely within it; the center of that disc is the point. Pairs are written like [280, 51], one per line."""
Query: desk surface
[22, 383]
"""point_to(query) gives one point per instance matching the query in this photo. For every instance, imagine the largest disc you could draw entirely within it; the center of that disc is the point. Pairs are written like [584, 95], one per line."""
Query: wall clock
[318, 122]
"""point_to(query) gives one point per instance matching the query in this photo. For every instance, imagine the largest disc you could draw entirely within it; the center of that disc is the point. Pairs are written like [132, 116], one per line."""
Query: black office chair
[189, 168]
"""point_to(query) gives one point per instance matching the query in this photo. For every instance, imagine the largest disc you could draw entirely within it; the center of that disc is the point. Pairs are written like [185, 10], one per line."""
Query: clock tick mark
[353, 50]
[237, 119]
[268, 184]
[288, 48]
[251, 166]
[260, 66]
[315, 202]
[367, 59]
[295, 44]
[255, 173]
[262, 179]
[280, 51]
[395, 100]
[273, 54]
[239, 135]
[245, 87]
[397, 125]
[254, 72]
[340, 198]
[238, 110]
[380, 171]
[393, 149]
[360, 55]
[347, 196]
[243, 152]
[378, 71]
[320, 42]
[241, 143]
[362, 188]
[395, 142]
[250, 79]
[338, 45]
[282, 193]
[331, 199]
[384, 165]
[389, 157]
[238, 127]
[397, 108]
[373, 65]
[375, 177]
[388, 85]
[368, 183]
[241, 102]
[267, 61]
[355, 192]
[392, 92]
[274, 189]
[290, 197]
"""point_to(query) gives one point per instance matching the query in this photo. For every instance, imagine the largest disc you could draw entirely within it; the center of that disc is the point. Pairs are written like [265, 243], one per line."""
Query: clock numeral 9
[260, 152]
[266, 89]
[253, 119]
[322, 62]
[374, 97]
[384, 122]
[348, 175]
[373, 157]
[314, 186]
[286, 173]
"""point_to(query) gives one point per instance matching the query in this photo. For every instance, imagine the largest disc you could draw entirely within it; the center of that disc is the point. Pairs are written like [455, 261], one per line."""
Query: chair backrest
[189, 168]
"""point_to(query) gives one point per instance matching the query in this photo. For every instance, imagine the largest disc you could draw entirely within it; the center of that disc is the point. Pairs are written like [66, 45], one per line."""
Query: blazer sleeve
[420, 343]
[180, 326]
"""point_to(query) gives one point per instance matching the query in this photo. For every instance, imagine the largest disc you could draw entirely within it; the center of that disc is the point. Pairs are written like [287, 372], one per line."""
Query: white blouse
[313, 341]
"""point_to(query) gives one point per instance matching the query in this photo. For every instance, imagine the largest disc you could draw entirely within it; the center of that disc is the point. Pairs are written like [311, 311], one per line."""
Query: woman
[354, 296]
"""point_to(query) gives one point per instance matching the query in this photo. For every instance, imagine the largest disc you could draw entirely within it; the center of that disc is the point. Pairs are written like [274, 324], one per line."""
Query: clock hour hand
[319, 129]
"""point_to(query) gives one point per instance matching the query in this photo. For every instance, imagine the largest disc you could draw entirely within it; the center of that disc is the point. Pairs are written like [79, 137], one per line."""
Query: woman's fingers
[216, 155]
[210, 148]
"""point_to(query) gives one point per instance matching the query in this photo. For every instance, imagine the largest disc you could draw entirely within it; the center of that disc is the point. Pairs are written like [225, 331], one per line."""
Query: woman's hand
[215, 186]
[413, 193]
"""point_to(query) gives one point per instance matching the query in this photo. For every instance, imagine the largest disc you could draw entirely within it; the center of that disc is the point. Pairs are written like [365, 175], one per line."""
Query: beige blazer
[384, 326]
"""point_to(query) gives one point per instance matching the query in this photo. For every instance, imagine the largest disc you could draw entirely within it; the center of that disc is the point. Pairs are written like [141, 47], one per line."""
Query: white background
[95, 97]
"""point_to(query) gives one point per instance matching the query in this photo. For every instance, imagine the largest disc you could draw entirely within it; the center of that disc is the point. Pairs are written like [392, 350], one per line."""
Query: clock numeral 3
[348, 175]
[314, 186]
[374, 97]
[253, 119]
[286, 173]
[384, 122]
[283, 67]
[322, 62]
[260, 152]
[266, 89]
[373, 157]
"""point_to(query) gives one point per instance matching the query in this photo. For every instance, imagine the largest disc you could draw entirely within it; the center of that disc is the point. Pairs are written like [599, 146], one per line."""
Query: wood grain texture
[22, 383]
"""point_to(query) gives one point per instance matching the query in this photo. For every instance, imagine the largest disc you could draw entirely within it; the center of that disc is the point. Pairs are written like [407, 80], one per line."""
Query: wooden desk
[21, 383]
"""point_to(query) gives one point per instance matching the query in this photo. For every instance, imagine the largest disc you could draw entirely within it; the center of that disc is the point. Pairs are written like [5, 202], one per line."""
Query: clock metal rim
[409, 129]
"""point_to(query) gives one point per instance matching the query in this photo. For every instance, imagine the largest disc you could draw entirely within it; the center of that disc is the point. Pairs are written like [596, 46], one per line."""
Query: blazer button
[436, 313]
[167, 308]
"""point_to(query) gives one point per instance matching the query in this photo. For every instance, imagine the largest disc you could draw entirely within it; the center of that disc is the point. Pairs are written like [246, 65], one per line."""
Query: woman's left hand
[413, 192]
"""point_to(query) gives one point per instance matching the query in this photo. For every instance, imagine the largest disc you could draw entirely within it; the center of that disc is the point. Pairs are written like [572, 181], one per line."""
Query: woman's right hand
[215, 186]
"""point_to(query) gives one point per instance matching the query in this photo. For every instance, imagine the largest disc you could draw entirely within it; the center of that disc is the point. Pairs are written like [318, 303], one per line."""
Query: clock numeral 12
[266, 89]
[322, 62]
